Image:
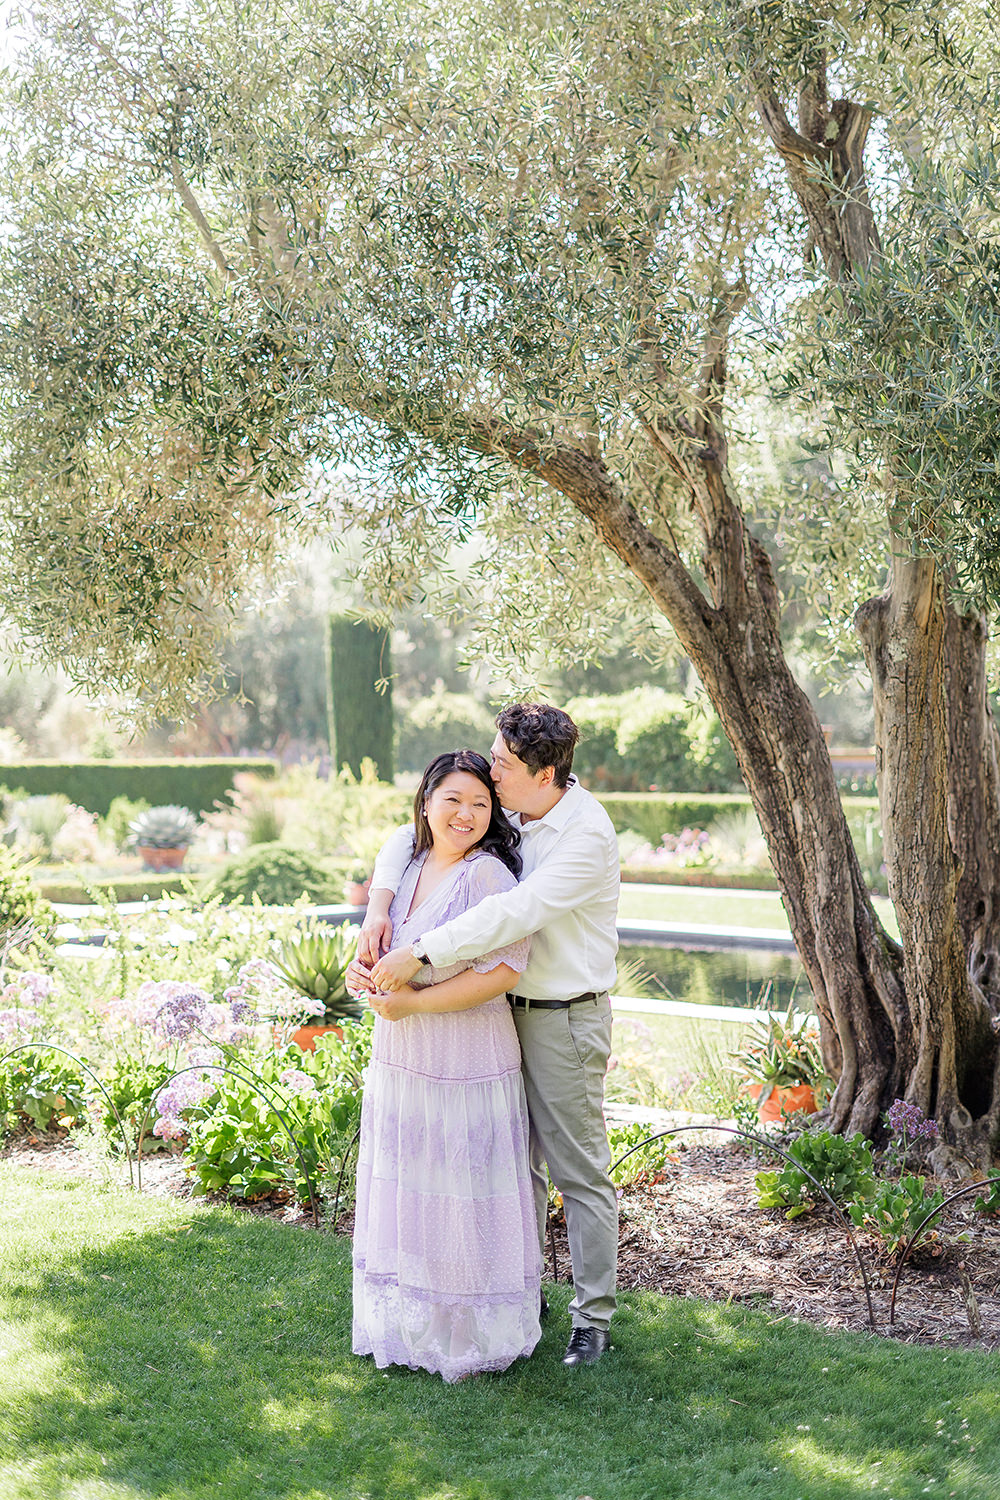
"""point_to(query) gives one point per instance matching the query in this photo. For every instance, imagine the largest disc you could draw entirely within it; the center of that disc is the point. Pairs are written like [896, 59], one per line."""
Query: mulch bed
[698, 1232]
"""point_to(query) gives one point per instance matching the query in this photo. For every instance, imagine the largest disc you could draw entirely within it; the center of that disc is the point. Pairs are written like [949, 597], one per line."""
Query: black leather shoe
[543, 1307]
[586, 1346]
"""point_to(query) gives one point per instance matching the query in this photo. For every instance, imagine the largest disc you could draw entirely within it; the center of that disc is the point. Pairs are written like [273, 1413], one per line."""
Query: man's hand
[395, 969]
[358, 977]
[375, 938]
[395, 1007]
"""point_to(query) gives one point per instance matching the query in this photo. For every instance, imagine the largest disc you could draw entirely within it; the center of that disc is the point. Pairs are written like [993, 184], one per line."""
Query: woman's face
[458, 812]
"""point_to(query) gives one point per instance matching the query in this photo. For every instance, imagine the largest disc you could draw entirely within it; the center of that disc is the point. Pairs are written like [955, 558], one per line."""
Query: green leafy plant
[842, 1165]
[316, 962]
[236, 1140]
[645, 1165]
[896, 1209]
[132, 1082]
[120, 816]
[41, 1087]
[990, 1202]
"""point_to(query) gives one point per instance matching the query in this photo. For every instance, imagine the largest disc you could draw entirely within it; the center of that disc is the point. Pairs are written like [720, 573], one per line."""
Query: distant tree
[361, 695]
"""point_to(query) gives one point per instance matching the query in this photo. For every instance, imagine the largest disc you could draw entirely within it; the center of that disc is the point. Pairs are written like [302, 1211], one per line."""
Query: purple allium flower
[909, 1121]
[182, 1012]
[15, 1026]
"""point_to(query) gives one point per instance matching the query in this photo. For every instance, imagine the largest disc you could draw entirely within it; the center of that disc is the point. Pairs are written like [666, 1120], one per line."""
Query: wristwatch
[417, 949]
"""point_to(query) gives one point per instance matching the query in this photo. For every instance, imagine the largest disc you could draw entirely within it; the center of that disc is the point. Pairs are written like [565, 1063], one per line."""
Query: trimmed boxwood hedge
[652, 814]
[124, 888]
[94, 784]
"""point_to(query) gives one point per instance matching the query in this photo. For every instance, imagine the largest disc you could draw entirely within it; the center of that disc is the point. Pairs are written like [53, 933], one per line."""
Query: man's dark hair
[541, 736]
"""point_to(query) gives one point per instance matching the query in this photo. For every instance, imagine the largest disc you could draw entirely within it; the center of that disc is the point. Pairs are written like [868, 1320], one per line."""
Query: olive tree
[427, 273]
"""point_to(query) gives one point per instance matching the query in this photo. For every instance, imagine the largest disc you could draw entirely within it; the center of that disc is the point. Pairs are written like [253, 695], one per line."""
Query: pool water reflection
[729, 976]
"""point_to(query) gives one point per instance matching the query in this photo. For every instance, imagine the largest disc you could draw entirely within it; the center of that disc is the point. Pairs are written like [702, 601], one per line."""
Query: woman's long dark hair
[501, 837]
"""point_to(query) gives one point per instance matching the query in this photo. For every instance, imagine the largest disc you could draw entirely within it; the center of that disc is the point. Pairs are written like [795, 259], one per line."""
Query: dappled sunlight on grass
[181, 1352]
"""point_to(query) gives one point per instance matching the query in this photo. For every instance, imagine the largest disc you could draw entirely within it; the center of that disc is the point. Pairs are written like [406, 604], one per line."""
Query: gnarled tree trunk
[936, 744]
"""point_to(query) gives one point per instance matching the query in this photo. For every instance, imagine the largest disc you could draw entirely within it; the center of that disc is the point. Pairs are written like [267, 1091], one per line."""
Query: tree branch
[194, 208]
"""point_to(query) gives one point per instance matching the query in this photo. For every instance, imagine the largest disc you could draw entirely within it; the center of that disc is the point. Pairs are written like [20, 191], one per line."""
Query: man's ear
[546, 775]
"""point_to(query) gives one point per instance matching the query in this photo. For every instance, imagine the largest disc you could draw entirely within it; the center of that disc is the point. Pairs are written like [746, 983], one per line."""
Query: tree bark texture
[732, 638]
[936, 743]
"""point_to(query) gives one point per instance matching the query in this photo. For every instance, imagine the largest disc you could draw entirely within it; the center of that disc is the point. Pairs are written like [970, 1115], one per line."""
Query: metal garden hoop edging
[259, 1088]
[54, 1047]
[962, 1192]
[340, 1176]
[770, 1146]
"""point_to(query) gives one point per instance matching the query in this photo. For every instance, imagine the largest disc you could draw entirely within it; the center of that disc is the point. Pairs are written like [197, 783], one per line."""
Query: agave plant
[167, 827]
[315, 963]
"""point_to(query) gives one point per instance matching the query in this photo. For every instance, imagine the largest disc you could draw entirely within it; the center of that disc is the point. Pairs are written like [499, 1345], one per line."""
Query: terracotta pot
[356, 892]
[798, 1098]
[306, 1036]
[161, 859]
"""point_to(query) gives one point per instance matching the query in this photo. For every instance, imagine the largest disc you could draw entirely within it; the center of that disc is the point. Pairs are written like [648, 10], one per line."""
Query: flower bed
[179, 1031]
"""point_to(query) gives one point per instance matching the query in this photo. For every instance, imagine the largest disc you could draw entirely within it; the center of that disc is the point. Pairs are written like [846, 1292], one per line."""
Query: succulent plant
[315, 963]
[167, 827]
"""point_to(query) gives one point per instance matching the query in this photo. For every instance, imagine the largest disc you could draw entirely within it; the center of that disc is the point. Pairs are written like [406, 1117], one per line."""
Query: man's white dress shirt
[567, 901]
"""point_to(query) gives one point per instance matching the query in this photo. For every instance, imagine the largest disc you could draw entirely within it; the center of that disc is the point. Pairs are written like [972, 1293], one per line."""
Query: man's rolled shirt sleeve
[566, 878]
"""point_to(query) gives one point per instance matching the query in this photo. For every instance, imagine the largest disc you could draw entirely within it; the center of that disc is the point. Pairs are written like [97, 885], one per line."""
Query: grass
[156, 1350]
[718, 908]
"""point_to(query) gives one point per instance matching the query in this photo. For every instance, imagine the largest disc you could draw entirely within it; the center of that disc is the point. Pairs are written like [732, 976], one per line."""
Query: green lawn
[156, 1349]
[718, 908]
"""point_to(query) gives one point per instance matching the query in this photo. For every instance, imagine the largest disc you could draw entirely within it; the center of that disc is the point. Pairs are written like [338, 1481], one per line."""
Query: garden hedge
[650, 738]
[652, 814]
[126, 888]
[94, 784]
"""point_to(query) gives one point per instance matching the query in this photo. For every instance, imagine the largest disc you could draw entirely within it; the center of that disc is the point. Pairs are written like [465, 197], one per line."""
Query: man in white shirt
[567, 901]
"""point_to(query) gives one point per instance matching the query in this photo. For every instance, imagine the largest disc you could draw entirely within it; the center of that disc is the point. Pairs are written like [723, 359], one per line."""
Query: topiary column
[362, 726]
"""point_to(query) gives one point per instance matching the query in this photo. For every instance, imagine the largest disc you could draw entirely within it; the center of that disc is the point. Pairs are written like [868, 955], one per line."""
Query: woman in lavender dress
[446, 1259]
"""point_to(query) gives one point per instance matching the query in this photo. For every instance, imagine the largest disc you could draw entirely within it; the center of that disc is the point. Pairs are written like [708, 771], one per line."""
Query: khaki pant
[564, 1057]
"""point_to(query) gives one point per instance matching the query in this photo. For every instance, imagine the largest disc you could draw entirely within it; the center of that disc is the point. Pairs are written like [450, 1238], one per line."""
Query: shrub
[441, 721]
[648, 737]
[42, 1087]
[94, 784]
[37, 820]
[277, 876]
[596, 758]
[343, 821]
[237, 1141]
[120, 815]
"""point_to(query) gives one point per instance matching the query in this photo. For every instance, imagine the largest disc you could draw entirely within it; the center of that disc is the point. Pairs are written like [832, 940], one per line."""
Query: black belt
[526, 1003]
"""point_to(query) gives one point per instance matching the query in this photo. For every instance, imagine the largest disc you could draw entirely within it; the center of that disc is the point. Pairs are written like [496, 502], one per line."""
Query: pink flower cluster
[297, 1082]
[689, 847]
[19, 1002]
[182, 1093]
[260, 986]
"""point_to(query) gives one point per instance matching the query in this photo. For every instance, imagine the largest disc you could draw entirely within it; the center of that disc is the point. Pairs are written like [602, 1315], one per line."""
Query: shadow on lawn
[213, 1359]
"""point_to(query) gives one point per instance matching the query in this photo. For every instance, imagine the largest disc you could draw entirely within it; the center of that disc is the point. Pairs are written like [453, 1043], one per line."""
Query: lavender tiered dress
[446, 1258]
